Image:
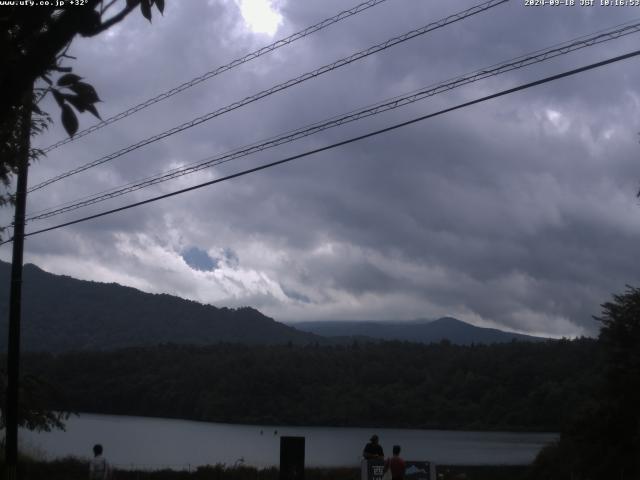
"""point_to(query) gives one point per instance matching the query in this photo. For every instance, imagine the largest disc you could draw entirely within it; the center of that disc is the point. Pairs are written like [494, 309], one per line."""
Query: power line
[390, 104]
[537, 56]
[282, 86]
[341, 143]
[221, 69]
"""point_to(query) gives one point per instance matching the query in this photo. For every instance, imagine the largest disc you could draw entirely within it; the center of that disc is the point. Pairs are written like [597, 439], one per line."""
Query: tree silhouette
[604, 440]
[33, 46]
[620, 339]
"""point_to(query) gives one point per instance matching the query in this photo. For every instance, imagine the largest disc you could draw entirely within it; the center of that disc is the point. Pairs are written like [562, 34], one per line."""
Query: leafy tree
[33, 46]
[34, 412]
[620, 339]
[604, 441]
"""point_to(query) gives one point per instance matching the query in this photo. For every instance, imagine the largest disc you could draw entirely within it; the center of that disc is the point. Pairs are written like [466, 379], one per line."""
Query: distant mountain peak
[449, 320]
[421, 331]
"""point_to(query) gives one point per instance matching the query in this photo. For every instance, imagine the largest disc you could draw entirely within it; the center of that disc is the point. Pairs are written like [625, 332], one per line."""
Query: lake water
[153, 443]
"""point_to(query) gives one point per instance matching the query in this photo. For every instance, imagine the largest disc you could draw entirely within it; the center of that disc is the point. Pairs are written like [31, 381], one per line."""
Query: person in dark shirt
[395, 464]
[373, 449]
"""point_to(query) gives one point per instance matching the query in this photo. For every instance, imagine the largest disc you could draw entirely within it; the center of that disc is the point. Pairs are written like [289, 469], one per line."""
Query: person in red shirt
[395, 464]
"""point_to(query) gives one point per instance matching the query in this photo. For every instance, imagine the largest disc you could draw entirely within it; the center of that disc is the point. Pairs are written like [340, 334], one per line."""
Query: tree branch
[42, 52]
[107, 7]
[63, 53]
[115, 19]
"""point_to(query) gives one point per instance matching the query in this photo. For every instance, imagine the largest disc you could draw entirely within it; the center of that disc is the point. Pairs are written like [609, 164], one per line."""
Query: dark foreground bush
[74, 469]
[485, 472]
[62, 469]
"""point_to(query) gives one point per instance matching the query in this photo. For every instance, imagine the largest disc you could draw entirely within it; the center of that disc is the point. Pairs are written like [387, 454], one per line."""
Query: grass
[485, 472]
[75, 469]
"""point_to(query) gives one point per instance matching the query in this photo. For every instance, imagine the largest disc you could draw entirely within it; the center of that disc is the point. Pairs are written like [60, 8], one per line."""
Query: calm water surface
[157, 442]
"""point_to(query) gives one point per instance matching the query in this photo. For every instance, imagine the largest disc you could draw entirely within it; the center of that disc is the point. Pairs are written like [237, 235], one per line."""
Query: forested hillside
[530, 386]
[61, 313]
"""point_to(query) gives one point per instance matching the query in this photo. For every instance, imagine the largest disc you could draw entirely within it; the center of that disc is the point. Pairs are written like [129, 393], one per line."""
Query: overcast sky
[518, 213]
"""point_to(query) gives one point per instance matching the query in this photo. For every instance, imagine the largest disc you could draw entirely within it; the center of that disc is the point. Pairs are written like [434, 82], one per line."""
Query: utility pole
[13, 355]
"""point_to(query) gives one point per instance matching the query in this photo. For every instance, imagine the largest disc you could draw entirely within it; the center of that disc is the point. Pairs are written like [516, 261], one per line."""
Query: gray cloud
[518, 213]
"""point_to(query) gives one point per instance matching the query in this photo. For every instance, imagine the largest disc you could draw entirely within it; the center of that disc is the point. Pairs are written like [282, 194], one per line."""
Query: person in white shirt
[98, 467]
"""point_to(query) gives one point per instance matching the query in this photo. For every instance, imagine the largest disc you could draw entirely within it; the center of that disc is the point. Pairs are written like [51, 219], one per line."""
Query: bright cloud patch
[260, 16]
[560, 123]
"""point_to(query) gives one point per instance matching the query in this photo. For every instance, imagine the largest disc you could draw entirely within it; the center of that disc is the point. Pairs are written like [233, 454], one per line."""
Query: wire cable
[386, 105]
[281, 86]
[599, 36]
[341, 143]
[219, 70]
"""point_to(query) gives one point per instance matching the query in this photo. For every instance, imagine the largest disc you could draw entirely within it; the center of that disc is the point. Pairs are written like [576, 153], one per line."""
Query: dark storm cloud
[519, 212]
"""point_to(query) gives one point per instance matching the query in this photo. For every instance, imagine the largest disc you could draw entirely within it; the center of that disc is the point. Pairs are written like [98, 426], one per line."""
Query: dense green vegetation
[514, 386]
[603, 440]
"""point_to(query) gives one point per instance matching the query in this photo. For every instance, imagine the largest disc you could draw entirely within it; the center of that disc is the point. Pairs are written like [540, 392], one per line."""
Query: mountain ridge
[61, 313]
[419, 330]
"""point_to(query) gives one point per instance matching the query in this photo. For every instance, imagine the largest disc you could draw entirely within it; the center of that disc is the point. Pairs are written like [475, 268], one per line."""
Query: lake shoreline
[327, 425]
[159, 442]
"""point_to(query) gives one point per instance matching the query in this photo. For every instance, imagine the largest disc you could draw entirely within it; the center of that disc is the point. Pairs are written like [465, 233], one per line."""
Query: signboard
[375, 469]
[372, 469]
[415, 470]
[419, 470]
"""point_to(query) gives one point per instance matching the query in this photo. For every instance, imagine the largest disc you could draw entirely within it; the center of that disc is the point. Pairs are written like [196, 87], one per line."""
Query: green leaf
[89, 23]
[82, 106]
[86, 91]
[160, 5]
[92, 109]
[58, 96]
[145, 8]
[69, 120]
[77, 102]
[68, 79]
